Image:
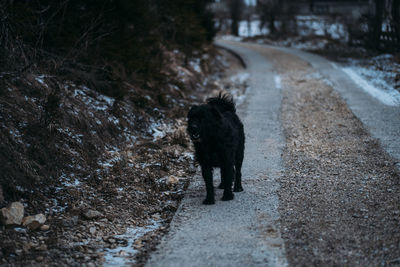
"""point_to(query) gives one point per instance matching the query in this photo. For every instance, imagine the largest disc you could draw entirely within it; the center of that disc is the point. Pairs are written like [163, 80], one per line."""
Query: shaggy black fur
[218, 137]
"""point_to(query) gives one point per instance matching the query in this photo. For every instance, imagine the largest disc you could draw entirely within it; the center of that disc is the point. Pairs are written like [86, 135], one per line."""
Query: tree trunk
[377, 24]
[235, 10]
[272, 28]
[396, 20]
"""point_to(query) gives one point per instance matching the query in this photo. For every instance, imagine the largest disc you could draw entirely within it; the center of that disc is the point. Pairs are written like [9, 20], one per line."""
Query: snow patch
[159, 130]
[69, 181]
[93, 99]
[195, 64]
[231, 38]
[278, 83]
[240, 77]
[40, 79]
[115, 156]
[123, 256]
[252, 28]
[387, 97]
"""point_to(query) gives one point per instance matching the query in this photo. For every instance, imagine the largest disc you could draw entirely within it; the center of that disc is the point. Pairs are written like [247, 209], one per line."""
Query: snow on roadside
[278, 83]
[377, 76]
[387, 96]
[231, 38]
[124, 255]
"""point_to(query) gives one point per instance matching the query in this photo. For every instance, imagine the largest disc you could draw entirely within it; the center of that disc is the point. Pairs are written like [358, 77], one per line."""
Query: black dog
[218, 137]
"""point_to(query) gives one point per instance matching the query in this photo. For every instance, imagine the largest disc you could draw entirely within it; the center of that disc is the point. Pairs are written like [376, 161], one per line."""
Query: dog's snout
[194, 131]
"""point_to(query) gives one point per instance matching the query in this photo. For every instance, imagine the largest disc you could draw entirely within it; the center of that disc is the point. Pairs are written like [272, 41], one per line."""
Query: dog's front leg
[208, 179]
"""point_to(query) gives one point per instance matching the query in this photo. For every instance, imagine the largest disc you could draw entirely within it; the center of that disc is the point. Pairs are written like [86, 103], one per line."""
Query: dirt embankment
[103, 165]
[340, 196]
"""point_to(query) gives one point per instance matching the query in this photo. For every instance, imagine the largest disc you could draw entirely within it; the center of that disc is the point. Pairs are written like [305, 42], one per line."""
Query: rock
[42, 247]
[92, 214]
[34, 222]
[39, 258]
[68, 222]
[13, 214]
[172, 180]
[26, 246]
[44, 227]
[92, 230]
[156, 216]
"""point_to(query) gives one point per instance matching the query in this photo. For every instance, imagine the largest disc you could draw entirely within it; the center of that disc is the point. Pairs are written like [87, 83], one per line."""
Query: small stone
[122, 253]
[13, 214]
[26, 247]
[92, 230]
[92, 214]
[68, 222]
[138, 244]
[39, 258]
[42, 247]
[44, 227]
[156, 216]
[172, 180]
[34, 222]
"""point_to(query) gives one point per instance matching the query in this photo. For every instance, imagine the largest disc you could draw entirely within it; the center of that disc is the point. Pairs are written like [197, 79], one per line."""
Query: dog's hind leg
[221, 185]
[206, 171]
[227, 172]
[238, 172]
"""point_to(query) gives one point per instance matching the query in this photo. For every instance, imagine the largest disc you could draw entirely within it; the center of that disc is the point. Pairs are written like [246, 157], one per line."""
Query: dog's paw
[227, 197]
[208, 201]
[221, 186]
[238, 189]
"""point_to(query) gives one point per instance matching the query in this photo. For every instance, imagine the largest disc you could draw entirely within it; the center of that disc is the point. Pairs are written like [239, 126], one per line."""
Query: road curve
[245, 231]
[382, 121]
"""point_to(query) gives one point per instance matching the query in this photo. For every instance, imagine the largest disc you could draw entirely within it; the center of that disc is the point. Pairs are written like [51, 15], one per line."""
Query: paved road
[245, 231]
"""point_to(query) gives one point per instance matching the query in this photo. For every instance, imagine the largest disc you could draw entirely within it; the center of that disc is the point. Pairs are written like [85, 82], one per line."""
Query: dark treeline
[129, 33]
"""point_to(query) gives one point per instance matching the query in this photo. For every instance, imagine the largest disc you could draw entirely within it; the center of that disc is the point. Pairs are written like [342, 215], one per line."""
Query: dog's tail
[224, 102]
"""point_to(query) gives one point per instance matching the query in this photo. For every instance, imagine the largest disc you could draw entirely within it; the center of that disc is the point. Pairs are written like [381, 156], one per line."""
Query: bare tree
[376, 23]
[396, 18]
[235, 9]
[269, 10]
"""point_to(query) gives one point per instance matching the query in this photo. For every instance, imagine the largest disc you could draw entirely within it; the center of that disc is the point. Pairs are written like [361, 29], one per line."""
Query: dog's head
[201, 122]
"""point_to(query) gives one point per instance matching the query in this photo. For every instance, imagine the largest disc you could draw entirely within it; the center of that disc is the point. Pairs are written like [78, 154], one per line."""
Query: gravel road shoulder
[339, 198]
